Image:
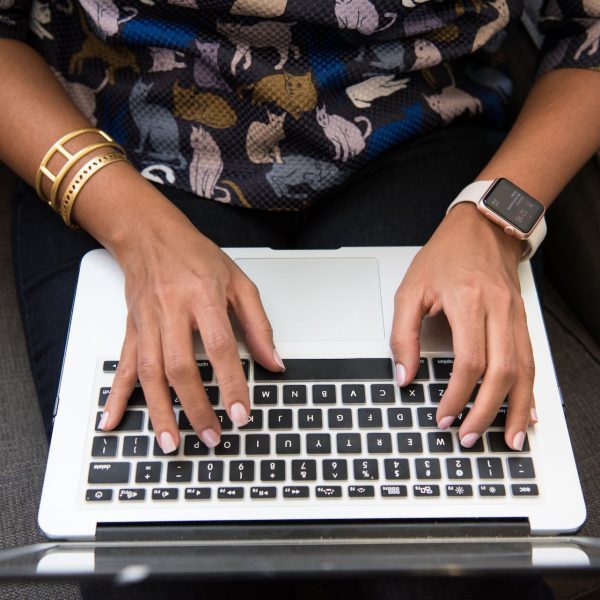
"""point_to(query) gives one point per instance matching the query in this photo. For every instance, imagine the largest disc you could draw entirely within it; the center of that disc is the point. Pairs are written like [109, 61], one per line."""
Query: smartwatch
[507, 205]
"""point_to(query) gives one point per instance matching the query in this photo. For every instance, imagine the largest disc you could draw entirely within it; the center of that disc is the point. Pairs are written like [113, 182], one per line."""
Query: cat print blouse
[269, 104]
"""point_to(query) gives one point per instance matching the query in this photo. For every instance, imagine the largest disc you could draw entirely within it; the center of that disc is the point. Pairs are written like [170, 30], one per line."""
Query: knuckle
[178, 368]
[219, 343]
[504, 369]
[149, 368]
[473, 365]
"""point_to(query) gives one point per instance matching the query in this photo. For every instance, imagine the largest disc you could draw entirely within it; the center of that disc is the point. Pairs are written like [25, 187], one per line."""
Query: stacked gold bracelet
[64, 205]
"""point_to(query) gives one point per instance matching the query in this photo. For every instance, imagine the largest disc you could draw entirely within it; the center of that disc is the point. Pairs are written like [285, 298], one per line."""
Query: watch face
[514, 205]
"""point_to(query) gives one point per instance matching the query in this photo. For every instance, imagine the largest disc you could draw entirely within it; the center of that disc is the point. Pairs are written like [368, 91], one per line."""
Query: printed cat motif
[346, 137]
[592, 39]
[105, 15]
[294, 94]
[265, 34]
[152, 173]
[259, 8]
[40, 16]
[426, 55]
[362, 94]
[390, 56]
[411, 3]
[207, 74]
[452, 102]
[202, 107]
[155, 123]
[165, 59]
[361, 15]
[487, 31]
[262, 140]
[206, 166]
[301, 172]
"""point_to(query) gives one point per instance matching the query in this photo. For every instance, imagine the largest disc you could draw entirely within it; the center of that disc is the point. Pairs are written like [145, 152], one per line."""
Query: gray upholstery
[23, 447]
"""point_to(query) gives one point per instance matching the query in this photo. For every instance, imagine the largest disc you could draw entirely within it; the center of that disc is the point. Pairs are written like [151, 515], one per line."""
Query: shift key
[109, 472]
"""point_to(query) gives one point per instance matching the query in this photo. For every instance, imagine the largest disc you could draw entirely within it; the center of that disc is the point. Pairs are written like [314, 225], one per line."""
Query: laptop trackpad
[319, 299]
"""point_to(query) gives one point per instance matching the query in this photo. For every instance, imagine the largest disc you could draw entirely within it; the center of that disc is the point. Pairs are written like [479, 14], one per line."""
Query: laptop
[338, 471]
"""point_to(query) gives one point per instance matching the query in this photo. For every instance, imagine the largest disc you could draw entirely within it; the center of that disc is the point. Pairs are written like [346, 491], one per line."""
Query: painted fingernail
[470, 440]
[534, 415]
[278, 359]
[400, 374]
[445, 422]
[239, 414]
[167, 443]
[103, 420]
[210, 438]
[519, 440]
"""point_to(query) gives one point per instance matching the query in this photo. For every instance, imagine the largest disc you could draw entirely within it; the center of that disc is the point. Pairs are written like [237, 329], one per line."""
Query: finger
[182, 373]
[124, 381]
[466, 317]
[409, 310]
[533, 418]
[520, 398]
[221, 348]
[154, 383]
[500, 372]
[255, 324]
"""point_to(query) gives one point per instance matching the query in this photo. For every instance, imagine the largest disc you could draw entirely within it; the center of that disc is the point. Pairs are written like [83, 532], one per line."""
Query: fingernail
[239, 414]
[278, 359]
[534, 416]
[103, 420]
[210, 438]
[470, 440]
[400, 374]
[167, 443]
[519, 440]
[445, 422]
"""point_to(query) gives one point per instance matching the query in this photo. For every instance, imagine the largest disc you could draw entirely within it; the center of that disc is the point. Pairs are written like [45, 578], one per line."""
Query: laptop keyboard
[323, 429]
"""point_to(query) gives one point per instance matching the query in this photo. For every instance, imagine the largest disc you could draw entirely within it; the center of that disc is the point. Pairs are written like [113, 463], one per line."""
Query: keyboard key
[110, 366]
[460, 418]
[224, 420]
[148, 472]
[258, 443]
[440, 441]
[194, 446]
[241, 470]
[409, 443]
[165, 494]
[329, 491]
[365, 469]
[329, 369]
[318, 443]
[206, 370]
[339, 418]
[348, 443]
[394, 491]
[304, 470]
[137, 397]
[135, 445]
[294, 394]
[212, 393]
[379, 443]
[272, 470]
[157, 450]
[265, 394]
[426, 417]
[310, 418]
[109, 472]
[423, 370]
[396, 468]
[369, 417]
[442, 368]
[436, 391]
[246, 367]
[295, 491]
[103, 396]
[399, 417]
[210, 470]
[521, 467]
[459, 490]
[459, 468]
[132, 494]
[133, 420]
[280, 418]
[426, 491]
[524, 489]
[323, 394]
[255, 420]
[497, 444]
[412, 394]
[491, 490]
[361, 491]
[197, 493]
[287, 443]
[428, 468]
[383, 393]
[98, 495]
[335, 470]
[264, 492]
[183, 422]
[353, 394]
[230, 493]
[500, 418]
[229, 446]
[490, 468]
[179, 471]
[476, 447]
[105, 445]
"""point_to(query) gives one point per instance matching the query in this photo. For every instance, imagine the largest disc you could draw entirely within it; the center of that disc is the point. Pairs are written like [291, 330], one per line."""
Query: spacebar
[328, 369]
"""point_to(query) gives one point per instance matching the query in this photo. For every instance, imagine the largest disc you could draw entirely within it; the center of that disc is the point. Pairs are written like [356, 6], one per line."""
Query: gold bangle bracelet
[81, 178]
[58, 147]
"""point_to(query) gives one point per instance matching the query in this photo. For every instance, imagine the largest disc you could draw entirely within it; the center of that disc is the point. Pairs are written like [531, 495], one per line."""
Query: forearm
[557, 131]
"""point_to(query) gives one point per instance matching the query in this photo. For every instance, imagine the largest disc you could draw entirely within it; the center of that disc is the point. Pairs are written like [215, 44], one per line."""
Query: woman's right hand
[178, 282]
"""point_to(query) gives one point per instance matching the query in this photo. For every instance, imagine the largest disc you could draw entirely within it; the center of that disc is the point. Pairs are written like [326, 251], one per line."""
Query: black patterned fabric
[271, 103]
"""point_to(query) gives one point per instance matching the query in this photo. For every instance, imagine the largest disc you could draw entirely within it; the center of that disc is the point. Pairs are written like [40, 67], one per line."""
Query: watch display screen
[514, 205]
